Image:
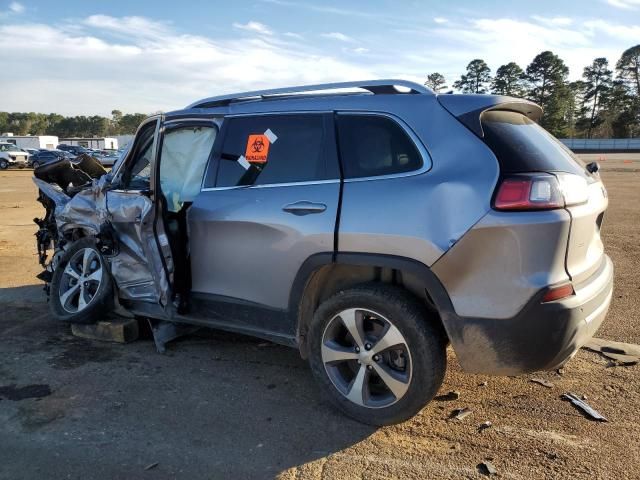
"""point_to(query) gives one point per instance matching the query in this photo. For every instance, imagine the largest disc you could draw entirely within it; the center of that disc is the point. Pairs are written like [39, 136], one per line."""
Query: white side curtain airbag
[184, 156]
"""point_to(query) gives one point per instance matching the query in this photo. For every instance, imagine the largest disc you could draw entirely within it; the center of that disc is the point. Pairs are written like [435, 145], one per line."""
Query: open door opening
[184, 153]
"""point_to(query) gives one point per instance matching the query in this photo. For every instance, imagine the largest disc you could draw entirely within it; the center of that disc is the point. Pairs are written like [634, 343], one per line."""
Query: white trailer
[95, 143]
[49, 142]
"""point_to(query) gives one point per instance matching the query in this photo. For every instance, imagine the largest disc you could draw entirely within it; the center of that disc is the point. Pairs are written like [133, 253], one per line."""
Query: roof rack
[376, 87]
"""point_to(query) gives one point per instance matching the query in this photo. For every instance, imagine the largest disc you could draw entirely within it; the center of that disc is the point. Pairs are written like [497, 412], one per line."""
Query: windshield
[9, 147]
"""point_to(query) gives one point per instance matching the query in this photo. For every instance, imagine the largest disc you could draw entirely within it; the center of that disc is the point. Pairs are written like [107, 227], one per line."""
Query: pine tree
[477, 78]
[509, 80]
[628, 68]
[436, 82]
[598, 82]
[547, 75]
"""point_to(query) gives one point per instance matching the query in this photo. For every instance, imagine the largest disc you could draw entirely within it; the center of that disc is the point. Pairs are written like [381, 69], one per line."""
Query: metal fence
[602, 145]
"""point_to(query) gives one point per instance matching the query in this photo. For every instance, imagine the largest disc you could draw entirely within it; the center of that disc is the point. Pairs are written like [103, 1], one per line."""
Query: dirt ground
[219, 405]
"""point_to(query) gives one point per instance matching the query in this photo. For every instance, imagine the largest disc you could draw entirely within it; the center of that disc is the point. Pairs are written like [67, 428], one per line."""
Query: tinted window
[521, 145]
[272, 149]
[374, 145]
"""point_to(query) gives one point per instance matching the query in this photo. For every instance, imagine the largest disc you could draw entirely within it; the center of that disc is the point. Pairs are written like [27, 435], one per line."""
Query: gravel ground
[219, 405]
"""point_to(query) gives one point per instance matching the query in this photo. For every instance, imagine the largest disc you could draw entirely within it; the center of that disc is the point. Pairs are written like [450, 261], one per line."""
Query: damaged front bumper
[120, 221]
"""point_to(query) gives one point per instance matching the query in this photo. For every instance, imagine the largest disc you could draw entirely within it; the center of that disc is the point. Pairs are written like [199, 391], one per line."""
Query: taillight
[557, 293]
[540, 191]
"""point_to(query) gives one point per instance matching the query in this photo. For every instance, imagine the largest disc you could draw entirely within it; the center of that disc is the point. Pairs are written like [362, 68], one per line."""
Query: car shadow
[215, 405]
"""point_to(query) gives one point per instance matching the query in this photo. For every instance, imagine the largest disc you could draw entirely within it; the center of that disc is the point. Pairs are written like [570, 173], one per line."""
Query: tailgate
[585, 251]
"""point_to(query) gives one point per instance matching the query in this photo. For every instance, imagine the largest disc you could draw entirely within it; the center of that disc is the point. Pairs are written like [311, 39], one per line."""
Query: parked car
[367, 229]
[74, 150]
[107, 159]
[12, 156]
[31, 151]
[46, 156]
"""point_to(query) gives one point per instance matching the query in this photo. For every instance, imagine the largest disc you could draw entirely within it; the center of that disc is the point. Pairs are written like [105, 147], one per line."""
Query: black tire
[100, 302]
[424, 339]
[4, 164]
[35, 165]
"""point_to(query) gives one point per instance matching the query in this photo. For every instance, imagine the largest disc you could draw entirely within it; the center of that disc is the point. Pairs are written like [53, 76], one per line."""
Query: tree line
[602, 104]
[78, 126]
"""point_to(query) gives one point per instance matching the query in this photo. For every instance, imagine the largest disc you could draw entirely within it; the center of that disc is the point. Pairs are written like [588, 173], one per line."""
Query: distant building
[95, 143]
[124, 140]
[49, 142]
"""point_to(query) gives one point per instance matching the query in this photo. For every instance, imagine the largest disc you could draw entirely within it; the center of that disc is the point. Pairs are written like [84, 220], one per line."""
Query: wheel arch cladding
[321, 276]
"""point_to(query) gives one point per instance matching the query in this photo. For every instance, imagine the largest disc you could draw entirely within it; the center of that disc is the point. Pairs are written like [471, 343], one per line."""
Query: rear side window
[271, 149]
[372, 145]
[521, 145]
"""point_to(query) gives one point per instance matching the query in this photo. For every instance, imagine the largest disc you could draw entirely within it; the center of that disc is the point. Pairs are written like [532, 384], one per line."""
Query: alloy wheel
[366, 358]
[81, 280]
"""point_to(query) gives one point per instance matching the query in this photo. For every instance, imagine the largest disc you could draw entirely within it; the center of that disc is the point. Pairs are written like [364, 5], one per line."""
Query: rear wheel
[376, 354]
[81, 288]
[4, 164]
[35, 165]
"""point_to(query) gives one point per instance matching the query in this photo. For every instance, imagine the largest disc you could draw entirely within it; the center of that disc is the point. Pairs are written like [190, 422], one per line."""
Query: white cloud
[629, 33]
[360, 50]
[16, 7]
[440, 20]
[557, 21]
[337, 36]
[148, 71]
[139, 27]
[297, 36]
[255, 27]
[625, 4]
[502, 40]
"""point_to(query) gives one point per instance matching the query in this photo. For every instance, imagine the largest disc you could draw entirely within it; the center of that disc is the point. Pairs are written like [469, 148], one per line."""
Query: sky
[84, 58]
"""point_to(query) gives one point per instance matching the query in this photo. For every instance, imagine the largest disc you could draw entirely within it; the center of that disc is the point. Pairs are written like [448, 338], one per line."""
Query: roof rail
[376, 87]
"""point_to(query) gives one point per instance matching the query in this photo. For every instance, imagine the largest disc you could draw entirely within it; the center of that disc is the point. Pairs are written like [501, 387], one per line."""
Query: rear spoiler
[469, 108]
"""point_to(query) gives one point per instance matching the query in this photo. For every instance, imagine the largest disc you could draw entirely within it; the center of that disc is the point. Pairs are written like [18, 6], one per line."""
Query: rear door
[269, 202]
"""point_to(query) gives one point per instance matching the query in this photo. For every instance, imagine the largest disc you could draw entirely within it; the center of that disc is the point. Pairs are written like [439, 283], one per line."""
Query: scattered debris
[484, 426]
[542, 382]
[609, 388]
[624, 354]
[151, 466]
[586, 408]
[560, 371]
[460, 413]
[487, 468]
[483, 384]
[452, 395]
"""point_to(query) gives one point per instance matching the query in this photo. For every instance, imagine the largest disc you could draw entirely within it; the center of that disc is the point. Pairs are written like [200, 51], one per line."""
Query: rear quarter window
[521, 145]
[374, 145]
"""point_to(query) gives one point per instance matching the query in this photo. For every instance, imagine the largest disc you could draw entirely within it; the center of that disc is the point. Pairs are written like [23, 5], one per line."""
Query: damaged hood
[86, 210]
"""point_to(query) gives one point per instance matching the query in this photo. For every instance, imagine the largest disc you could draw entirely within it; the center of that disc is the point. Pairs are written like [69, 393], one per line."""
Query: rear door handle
[304, 208]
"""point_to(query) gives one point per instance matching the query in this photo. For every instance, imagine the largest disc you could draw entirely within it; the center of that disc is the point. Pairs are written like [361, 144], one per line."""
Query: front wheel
[4, 164]
[81, 287]
[35, 165]
[377, 354]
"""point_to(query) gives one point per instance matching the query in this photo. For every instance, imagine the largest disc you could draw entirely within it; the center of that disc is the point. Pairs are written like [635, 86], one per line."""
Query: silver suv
[366, 224]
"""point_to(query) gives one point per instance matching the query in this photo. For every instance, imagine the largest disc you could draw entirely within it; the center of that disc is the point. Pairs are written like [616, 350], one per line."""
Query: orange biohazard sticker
[257, 148]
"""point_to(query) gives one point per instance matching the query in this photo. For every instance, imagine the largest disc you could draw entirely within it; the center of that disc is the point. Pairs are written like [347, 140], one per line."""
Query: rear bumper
[542, 336]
